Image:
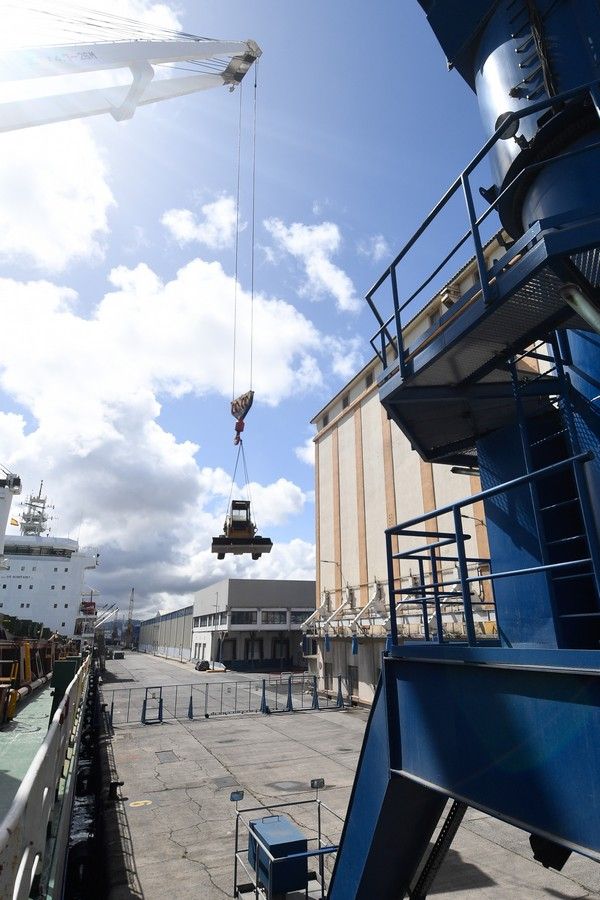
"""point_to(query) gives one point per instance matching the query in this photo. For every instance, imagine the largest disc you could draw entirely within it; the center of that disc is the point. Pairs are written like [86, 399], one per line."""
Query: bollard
[112, 708]
[263, 701]
[315, 695]
[340, 700]
[191, 707]
[289, 707]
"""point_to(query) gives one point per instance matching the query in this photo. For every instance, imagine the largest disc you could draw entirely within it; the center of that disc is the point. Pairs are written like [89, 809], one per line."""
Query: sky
[117, 280]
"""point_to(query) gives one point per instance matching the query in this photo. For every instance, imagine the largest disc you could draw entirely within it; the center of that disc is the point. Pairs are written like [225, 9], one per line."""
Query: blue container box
[282, 838]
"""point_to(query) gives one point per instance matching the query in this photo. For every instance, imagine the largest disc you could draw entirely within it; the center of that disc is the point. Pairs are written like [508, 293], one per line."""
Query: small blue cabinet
[282, 838]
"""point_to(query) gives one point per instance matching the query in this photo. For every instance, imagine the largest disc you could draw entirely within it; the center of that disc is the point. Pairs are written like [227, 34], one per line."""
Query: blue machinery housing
[505, 383]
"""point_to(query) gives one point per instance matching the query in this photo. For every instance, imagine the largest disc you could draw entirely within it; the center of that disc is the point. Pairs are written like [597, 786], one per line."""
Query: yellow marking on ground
[136, 803]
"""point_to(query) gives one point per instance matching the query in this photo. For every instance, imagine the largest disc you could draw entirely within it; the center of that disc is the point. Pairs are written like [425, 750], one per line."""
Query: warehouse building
[252, 624]
[168, 634]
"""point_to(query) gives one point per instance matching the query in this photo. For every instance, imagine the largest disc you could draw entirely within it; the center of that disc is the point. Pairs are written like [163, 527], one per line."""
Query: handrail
[475, 221]
[458, 538]
[23, 833]
[491, 492]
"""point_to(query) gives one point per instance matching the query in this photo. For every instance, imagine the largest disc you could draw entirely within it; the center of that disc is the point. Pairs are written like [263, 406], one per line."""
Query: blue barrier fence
[157, 703]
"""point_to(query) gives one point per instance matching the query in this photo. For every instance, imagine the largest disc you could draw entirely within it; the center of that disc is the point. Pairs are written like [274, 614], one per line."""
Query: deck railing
[387, 342]
[40, 813]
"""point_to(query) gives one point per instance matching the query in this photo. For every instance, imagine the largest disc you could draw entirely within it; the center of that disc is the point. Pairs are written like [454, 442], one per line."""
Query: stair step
[558, 505]
[592, 615]
[572, 577]
[565, 540]
[548, 437]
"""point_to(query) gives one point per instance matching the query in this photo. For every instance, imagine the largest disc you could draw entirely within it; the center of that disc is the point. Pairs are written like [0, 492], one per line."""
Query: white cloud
[306, 452]
[346, 355]
[54, 181]
[55, 197]
[375, 247]
[276, 503]
[313, 246]
[43, 26]
[215, 230]
[91, 390]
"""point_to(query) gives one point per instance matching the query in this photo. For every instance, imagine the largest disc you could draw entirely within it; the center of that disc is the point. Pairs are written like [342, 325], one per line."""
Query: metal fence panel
[213, 698]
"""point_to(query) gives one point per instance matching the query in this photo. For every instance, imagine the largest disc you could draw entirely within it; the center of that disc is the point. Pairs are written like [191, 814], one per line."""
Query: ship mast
[35, 518]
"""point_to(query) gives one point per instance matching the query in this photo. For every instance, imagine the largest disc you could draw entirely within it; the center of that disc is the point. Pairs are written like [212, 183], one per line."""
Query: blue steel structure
[506, 382]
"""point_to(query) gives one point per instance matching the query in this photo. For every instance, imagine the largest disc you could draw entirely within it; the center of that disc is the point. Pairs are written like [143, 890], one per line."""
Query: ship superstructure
[44, 575]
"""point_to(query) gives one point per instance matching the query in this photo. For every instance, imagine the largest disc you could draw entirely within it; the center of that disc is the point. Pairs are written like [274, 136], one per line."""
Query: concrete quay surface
[172, 832]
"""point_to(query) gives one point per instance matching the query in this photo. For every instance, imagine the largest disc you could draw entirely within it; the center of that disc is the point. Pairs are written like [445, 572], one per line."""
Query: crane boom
[121, 101]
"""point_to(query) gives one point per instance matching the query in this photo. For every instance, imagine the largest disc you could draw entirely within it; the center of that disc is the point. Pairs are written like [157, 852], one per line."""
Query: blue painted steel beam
[519, 742]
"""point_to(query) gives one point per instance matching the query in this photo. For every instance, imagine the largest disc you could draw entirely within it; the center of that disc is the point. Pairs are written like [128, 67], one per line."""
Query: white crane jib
[229, 62]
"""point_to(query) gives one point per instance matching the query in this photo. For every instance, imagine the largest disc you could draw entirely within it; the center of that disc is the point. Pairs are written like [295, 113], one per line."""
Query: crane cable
[252, 237]
[237, 247]
[241, 454]
[253, 219]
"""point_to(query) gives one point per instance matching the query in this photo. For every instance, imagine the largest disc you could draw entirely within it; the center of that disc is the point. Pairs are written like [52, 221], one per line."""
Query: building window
[345, 401]
[55, 569]
[22, 606]
[196, 624]
[19, 586]
[243, 617]
[273, 617]
[62, 624]
[368, 379]
[1, 605]
[22, 568]
[298, 616]
[253, 648]
[30, 587]
[51, 587]
[281, 649]
[34, 568]
[62, 588]
[55, 605]
[66, 605]
[67, 569]
[3, 587]
[27, 606]
[325, 420]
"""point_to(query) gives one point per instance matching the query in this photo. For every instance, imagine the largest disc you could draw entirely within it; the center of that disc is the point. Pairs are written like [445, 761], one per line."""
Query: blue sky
[117, 279]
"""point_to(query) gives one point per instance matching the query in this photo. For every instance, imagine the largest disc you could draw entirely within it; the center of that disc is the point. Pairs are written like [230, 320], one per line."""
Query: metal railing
[387, 342]
[43, 798]
[212, 699]
[322, 854]
[433, 593]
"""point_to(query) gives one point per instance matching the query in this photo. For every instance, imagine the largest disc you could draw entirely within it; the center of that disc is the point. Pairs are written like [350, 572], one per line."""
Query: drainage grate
[166, 756]
[225, 781]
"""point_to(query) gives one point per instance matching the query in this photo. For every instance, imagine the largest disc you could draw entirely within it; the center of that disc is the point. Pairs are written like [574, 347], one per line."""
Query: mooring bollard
[340, 700]
[289, 707]
[191, 707]
[315, 695]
